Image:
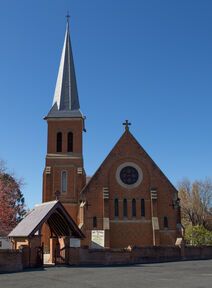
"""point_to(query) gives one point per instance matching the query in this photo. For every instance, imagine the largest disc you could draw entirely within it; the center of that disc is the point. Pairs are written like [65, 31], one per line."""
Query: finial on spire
[126, 124]
[68, 17]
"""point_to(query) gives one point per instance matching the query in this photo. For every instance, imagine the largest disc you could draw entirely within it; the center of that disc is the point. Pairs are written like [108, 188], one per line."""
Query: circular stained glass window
[129, 175]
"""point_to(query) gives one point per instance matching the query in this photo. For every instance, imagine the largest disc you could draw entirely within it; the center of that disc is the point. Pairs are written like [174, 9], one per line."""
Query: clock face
[129, 175]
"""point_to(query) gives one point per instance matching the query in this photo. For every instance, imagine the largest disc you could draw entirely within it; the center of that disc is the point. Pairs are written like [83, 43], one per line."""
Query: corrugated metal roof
[32, 219]
[48, 211]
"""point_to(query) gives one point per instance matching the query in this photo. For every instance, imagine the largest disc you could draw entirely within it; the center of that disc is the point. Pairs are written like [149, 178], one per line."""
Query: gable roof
[54, 214]
[126, 133]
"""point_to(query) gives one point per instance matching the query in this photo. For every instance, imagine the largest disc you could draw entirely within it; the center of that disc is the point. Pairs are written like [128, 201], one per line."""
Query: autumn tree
[12, 203]
[196, 203]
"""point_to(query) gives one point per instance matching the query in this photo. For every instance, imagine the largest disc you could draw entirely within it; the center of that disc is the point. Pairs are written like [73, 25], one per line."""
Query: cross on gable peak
[126, 124]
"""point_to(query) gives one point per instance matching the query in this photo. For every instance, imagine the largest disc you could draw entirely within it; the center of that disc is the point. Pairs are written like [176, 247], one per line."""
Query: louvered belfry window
[70, 142]
[59, 142]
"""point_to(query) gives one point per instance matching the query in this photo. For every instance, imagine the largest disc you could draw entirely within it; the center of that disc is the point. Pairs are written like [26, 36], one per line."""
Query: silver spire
[66, 101]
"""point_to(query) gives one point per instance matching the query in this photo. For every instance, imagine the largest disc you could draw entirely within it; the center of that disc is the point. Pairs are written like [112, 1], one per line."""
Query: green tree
[198, 235]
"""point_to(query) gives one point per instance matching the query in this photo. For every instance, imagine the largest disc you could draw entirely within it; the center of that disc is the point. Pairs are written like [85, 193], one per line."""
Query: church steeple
[64, 170]
[66, 101]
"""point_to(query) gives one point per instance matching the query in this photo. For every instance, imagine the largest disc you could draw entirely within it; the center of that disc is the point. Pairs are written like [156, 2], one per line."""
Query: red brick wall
[74, 125]
[10, 261]
[131, 231]
[204, 252]
[135, 231]
[68, 161]
[123, 234]
[80, 256]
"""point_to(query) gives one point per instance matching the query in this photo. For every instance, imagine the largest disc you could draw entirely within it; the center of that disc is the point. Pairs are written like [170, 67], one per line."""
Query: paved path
[188, 274]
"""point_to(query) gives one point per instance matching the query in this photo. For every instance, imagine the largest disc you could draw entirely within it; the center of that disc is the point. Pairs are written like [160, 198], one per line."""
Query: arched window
[59, 142]
[70, 142]
[125, 207]
[116, 208]
[142, 207]
[64, 181]
[94, 222]
[133, 208]
[165, 222]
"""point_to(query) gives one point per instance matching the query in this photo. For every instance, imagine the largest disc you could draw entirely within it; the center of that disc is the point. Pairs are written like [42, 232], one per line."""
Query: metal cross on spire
[126, 124]
[68, 17]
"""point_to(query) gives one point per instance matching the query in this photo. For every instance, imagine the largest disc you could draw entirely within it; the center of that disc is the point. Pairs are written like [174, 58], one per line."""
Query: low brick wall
[10, 261]
[25, 256]
[155, 254]
[84, 256]
[15, 261]
[195, 253]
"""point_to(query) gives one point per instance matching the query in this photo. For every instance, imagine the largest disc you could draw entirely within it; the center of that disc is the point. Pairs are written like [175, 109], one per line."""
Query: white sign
[98, 239]
[74, 242]
[179, 242]
[155, 223]
[106, 223]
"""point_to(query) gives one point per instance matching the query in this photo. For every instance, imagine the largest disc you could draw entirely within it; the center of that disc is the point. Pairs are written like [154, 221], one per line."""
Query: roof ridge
[44, 203]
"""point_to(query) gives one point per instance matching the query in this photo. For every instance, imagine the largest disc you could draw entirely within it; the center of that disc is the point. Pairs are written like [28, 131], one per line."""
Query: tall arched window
[116, 208]
[142, 207]
[133, 208]
[70, 142]
[125, 207]
[165, 222]
[64, 181]
[94, 222]
[59, 142]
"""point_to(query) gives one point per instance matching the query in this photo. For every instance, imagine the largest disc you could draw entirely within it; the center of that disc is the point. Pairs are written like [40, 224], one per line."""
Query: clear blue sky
[146, 61]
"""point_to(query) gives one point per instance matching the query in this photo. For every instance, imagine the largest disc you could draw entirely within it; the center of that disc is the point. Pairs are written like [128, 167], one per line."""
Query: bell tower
[64, 175]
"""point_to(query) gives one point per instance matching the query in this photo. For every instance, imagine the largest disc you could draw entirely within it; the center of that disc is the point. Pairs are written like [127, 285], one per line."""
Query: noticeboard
[98, 239]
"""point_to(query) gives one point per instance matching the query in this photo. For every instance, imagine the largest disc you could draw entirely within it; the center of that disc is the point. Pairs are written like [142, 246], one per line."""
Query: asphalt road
[189, 274]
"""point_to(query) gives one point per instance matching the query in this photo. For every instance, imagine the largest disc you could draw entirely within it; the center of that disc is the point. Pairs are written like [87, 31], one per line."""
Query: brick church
[128, 201]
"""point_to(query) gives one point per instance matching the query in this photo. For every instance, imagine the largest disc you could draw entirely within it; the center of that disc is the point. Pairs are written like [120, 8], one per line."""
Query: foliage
[196, 203]
[198, 235]
[12, 204]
